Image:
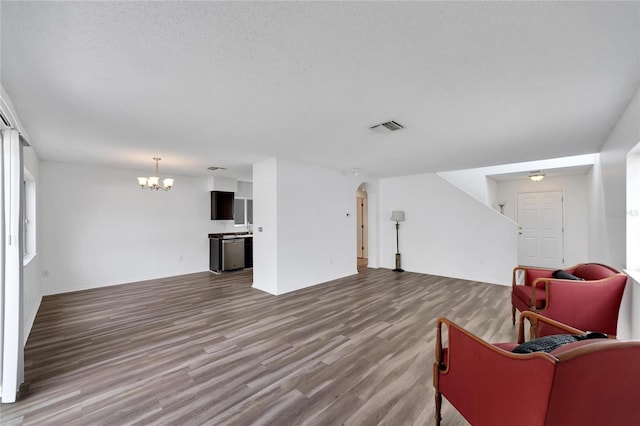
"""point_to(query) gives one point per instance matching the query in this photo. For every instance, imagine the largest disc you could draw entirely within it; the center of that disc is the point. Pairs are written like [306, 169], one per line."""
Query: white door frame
[11, 268]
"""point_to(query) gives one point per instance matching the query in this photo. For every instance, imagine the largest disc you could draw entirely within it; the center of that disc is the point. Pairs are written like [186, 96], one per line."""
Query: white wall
[609, 189]
[218, 183]
[316, 238]
[492, 191]
[307, 214]
[471, 181]
[576, 209]
[265, 226]
[98, 228]
[244, 190]
[446, 232]
[608, 239]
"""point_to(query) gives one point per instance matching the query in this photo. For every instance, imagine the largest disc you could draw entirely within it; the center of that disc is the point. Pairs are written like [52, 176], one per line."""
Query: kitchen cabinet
[248, 252]
[215, 254]
[222, 205]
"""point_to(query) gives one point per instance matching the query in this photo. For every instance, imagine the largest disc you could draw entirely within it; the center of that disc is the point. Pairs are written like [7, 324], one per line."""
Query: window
[29, 228]
[243, 212]
[238, 211]
[633, 209]
[24, 228]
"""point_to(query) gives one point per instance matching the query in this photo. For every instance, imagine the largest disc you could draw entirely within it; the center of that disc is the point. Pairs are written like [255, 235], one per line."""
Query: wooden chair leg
[438, 408]
[513, 314]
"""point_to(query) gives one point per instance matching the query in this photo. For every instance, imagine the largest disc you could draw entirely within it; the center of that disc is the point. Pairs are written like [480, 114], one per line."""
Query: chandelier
[153, 181]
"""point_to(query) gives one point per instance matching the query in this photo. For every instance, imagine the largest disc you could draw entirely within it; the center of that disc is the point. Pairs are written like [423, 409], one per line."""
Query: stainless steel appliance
[232, 254]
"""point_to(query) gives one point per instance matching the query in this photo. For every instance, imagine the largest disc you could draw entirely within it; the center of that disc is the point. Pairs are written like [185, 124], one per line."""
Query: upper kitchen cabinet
[221, 205]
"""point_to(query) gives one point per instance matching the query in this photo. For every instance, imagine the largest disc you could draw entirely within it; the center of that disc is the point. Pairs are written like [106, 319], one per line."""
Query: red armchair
[589, 382]
[592, 304]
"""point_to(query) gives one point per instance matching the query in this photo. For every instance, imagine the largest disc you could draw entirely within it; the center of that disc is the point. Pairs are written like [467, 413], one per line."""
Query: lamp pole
[398, 216]
[398, 266]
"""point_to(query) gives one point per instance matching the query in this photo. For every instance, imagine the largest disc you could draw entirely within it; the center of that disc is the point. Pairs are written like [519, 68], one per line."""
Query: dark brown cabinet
[248, 252]
[221, 205]
[215, 254]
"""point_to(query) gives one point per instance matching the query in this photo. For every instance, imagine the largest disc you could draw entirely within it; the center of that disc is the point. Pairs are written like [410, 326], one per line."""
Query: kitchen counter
[226, 235]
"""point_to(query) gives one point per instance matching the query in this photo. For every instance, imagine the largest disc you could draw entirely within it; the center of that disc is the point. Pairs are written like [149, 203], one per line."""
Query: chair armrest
[521, 277]
[534, 319]
[525, 275]
[572, 291]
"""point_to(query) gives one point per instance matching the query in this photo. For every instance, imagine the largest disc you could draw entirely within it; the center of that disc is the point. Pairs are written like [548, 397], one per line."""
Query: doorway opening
[362, 227]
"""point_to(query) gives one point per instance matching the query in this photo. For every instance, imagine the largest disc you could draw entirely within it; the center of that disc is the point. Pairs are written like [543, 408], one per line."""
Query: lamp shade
[397, 216]
[168, 182]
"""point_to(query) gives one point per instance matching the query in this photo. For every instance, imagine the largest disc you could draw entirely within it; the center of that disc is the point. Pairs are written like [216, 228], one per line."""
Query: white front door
[540, 217]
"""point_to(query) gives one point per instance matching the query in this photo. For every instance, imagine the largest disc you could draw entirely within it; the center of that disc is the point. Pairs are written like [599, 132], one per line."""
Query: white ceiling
[230, 83]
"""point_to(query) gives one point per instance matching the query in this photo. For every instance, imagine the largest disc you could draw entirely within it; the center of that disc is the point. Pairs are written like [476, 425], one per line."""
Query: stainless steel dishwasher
[232, 254]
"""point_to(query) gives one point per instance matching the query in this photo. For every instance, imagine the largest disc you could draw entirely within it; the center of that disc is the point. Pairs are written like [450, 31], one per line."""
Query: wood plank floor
[209, 349]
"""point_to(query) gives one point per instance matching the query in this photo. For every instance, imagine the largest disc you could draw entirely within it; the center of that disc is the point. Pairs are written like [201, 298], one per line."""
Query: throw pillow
[554, 341]
[544, 344]
[564, 275]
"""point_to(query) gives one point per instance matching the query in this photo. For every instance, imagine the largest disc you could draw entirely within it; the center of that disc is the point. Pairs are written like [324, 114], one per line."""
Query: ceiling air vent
[389, 126]
[214, 168]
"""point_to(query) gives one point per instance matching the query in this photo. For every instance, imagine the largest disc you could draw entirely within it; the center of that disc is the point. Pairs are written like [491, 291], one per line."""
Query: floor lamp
[397, 216]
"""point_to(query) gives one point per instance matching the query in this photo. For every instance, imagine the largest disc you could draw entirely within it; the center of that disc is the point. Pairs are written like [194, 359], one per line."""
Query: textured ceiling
[230, 83]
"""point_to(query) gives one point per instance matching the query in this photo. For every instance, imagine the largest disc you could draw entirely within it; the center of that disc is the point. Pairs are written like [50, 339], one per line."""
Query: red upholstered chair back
[596, 384]
[596, 310]
[594, 271]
